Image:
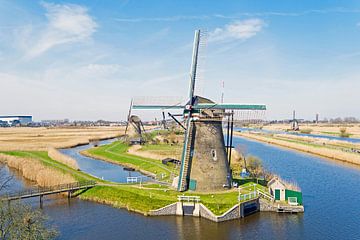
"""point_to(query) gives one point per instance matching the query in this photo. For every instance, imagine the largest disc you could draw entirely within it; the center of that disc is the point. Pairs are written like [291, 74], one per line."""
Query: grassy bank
[116, 152]
[305, 146]
[50, 163]
[152, 197]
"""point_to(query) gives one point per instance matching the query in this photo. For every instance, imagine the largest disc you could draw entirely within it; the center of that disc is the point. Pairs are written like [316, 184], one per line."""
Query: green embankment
[47, 161]
[116, 152]
[152, 197]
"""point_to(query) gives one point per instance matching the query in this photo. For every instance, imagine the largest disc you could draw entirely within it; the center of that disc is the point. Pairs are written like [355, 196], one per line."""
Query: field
[322, 129]
[40, 139]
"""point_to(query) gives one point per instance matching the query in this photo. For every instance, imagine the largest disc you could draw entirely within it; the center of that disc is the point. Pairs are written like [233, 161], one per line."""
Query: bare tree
[19, 221]
[5, 179]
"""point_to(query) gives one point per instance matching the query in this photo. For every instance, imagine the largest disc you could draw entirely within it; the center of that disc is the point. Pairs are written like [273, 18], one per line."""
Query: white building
[19, 119]
[277, 189]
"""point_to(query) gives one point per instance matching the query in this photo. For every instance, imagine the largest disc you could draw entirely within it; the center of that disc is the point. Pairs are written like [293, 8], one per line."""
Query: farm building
[16, 119]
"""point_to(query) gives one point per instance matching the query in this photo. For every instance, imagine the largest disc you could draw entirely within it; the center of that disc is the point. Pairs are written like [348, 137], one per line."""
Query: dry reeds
[34, 170]
[40, 139]
[64, 159]
[291, 185]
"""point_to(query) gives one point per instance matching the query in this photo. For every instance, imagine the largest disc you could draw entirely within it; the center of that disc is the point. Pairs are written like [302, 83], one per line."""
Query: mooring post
[41, 201]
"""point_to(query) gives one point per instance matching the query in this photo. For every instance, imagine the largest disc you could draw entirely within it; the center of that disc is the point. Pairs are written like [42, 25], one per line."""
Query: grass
[47, 161]
[163, 149]
[149, 198]
[116, 152]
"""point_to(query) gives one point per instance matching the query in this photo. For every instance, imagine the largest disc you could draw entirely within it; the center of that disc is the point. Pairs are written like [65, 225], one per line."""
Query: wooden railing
[34, 192]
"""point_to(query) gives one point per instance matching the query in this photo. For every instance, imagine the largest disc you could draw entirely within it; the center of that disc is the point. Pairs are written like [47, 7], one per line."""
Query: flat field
[40, 139]
[322, 129]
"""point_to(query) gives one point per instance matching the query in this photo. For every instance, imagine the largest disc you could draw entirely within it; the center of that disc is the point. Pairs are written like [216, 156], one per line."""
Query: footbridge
[42, 191]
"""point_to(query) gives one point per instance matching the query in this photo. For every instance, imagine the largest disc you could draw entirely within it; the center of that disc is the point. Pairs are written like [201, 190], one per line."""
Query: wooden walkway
[39, 192]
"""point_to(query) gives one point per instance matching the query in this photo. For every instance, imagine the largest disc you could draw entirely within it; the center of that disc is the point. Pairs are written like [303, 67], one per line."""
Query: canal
[331, 193]
[101, 169]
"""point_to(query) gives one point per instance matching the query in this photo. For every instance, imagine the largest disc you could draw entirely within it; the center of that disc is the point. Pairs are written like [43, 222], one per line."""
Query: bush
[306, 131]
[343, 133]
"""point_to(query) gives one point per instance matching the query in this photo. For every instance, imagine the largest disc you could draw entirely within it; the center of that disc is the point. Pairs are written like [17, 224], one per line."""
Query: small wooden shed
[277, 189]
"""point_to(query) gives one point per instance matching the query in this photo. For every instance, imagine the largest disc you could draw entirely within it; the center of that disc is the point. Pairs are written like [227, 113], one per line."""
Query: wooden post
[41, 201]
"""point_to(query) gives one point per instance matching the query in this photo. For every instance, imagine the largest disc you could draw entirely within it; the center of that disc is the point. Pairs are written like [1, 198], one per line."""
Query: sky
[85, 60]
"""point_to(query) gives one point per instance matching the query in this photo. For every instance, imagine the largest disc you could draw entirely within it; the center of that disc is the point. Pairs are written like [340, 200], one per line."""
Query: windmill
[137, 125]
[205, 159]
[294, 123]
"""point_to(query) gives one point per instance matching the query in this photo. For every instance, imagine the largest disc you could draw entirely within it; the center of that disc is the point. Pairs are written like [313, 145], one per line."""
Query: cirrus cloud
[67, 23]
[238, 30]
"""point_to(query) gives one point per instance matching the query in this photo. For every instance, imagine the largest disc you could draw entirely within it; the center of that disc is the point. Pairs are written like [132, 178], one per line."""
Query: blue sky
[86, 59]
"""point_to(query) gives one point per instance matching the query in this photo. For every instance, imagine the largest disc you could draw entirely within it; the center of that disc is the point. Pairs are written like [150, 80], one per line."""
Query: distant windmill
[205, 160]
[295, 122]
[138, 126]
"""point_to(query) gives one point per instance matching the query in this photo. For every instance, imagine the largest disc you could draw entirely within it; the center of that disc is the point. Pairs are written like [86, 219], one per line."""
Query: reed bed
[34, 170]
[64, 159]
[40, 139]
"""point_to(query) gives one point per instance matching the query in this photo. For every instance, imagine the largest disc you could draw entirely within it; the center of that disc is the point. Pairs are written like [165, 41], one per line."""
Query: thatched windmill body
[205, 163]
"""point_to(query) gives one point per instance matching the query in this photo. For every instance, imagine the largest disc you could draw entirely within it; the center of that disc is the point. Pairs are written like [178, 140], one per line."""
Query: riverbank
[117, 153]
[329, 129]
[302, 145]
[150, 197]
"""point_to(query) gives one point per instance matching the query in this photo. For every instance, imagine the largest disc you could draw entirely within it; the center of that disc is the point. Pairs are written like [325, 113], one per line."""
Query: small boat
[129, 169]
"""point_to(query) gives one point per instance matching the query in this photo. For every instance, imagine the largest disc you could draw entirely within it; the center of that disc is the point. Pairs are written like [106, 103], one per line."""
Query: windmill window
[213, 154]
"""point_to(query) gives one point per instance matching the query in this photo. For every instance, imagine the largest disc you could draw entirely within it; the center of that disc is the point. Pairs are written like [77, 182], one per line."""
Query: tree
[255, 166]
[4, 178]
[19, 221]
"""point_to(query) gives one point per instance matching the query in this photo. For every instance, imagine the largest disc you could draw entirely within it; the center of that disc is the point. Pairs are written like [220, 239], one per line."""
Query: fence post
[41, 201]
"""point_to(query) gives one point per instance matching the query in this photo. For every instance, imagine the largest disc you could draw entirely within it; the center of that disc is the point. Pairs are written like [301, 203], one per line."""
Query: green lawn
[145, 199]
[116, 152]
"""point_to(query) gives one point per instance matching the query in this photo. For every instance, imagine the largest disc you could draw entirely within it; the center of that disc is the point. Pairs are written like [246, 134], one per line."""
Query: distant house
[277, 189]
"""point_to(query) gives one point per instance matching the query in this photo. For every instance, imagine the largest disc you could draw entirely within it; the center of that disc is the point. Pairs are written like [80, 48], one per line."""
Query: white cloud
[68, 23]
[238, 30]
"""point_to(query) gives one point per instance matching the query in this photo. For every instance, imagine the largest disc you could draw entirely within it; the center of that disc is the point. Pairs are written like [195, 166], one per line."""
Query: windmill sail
[187, 148]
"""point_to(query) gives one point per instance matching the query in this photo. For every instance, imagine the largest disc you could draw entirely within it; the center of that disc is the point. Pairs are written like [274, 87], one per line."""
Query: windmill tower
[205, 160]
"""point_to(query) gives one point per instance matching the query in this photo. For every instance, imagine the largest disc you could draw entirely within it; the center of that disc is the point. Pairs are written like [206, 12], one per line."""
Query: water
[101, 169]
[327, 137]
[330, 190]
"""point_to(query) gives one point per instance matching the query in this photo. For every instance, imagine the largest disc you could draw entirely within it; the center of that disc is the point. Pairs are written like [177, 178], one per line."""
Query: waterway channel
[330, 191]
[101, 169]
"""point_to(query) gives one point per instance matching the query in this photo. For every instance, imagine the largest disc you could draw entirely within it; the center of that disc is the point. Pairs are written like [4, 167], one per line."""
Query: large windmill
[205, 157]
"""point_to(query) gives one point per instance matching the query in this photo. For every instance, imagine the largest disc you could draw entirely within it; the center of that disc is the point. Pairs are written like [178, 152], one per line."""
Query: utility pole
[222, 93]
